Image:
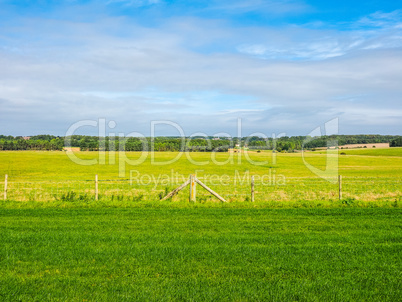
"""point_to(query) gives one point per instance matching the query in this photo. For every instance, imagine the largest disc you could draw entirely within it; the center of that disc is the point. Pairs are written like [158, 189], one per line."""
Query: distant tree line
[94, 143]
[298, 142]
[38, 142]
[199, 144]
[351, 139]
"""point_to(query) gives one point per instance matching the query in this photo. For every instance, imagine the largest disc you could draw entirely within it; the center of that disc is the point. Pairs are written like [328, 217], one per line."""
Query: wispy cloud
[320, 49]
[201, 73]
[382, 20]
[266, 6]
[376, 31]
[315, 45]
[134, 3]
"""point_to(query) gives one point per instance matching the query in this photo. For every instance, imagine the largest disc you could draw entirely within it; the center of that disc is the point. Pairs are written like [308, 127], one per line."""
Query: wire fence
[231, 189]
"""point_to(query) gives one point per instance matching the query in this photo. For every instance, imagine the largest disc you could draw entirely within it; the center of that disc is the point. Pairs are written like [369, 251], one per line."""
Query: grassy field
[372, 152]
[200, 254]
[57, 243]
[370, 177]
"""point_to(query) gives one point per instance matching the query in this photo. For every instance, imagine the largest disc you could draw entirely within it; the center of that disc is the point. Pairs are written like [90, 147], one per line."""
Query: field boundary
[348, 189]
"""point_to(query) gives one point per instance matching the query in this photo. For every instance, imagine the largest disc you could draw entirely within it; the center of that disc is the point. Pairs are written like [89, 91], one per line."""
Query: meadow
[371, 177]
[297, 242]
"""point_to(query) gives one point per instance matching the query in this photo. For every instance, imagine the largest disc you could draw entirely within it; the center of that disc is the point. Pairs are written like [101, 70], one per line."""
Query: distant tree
[396, 142]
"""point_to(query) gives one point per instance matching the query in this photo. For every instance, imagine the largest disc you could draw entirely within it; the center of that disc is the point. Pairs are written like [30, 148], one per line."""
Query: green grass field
[57, 243]
[200, 254]
[370, 178]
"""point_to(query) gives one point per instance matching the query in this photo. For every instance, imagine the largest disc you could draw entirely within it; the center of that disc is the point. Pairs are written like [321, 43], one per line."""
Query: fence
[232, 190]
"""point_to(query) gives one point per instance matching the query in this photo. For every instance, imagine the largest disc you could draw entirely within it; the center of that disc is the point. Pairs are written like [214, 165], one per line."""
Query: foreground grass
[203, 254]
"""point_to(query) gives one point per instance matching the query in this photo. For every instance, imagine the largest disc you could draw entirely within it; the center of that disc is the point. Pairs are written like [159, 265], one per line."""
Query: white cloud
[82, 71]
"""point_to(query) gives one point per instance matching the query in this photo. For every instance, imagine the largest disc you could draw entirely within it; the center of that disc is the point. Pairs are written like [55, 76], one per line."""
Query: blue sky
[279, 66]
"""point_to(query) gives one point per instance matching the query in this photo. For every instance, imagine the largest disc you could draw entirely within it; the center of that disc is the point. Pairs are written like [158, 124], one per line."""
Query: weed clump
[72, 196]
[348, 201]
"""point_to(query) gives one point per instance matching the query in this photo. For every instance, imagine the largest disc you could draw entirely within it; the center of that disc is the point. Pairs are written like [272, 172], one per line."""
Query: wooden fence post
[209, 190]
[5, 187]
[96, 186]
[340, 186]
[193, 192]
[252, 188]
[175, 191]
[192, 181]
